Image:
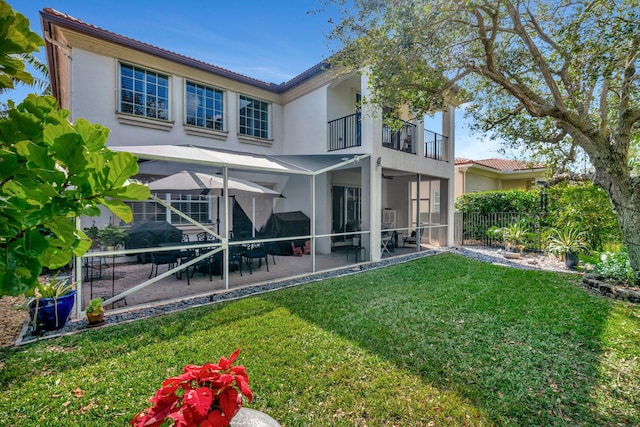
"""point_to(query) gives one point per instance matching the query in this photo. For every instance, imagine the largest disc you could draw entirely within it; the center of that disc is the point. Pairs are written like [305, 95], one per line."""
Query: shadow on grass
[523, 346]
[509, 347]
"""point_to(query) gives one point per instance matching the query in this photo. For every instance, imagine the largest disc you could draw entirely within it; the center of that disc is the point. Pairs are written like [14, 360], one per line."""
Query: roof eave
[50, 20]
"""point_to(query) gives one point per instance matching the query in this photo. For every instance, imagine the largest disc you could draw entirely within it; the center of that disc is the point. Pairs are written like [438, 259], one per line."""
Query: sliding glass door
[346, 210]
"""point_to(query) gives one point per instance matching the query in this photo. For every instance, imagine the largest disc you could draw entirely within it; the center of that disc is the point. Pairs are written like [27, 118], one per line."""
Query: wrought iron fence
[473, 228]
[344, 132]
[435, 145]
[400, 140]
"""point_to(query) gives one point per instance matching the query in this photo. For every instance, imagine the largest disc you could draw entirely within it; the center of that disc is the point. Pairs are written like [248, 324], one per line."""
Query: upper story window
[205, 106]
[254, 117]
[144, 92]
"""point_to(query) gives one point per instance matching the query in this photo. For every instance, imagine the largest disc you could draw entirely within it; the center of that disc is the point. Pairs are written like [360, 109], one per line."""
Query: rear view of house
[310, 140]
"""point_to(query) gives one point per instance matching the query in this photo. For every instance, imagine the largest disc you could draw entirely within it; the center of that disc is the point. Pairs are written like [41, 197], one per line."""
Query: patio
[110, 277]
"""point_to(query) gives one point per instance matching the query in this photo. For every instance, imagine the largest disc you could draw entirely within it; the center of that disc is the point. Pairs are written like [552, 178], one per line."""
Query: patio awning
[189, 154]
[189, 182]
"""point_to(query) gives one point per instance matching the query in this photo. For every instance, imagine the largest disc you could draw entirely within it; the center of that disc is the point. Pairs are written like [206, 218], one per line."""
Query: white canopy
[297, 165]
[205, 184]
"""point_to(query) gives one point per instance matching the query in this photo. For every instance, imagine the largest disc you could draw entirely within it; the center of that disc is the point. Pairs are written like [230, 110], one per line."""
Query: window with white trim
[144, 92]
[195, 207]
[253, 117]
[204, 106]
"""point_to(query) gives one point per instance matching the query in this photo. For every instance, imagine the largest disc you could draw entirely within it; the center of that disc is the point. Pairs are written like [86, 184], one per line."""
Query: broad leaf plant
[52, 171]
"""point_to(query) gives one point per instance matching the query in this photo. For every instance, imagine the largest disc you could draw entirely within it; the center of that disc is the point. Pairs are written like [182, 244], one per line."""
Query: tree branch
[537, 56]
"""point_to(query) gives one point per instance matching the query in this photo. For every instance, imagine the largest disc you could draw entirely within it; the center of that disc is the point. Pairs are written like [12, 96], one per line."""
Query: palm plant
[567, 242]
[513, 235]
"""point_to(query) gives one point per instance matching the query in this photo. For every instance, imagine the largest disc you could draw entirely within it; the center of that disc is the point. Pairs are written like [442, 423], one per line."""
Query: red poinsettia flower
[209, 396]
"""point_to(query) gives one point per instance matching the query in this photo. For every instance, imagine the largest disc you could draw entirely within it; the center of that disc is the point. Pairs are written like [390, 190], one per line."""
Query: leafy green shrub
[499, 201]
[616, 269]
[588, 208]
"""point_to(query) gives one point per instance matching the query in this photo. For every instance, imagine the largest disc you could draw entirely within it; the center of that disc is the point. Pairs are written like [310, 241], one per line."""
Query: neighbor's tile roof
[53, 16]
[501, 164]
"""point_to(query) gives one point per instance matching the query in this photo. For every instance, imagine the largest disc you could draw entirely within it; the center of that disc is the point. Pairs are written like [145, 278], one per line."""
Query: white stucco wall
[305, 124]
[94, 96]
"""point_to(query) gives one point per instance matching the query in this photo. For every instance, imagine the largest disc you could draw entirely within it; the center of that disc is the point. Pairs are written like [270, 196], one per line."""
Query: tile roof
[503, 165]
[50, 15]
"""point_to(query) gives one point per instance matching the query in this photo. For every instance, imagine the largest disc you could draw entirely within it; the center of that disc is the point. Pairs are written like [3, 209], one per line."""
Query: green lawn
[438, 341]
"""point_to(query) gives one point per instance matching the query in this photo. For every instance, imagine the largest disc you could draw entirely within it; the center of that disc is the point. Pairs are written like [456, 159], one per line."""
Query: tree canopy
[559, 76]
[17, 43]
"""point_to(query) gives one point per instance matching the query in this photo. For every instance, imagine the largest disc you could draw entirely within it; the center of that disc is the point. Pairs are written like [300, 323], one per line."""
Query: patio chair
[236, 257]
[170, 258]
[307, 247]
[272, 249]
[256, 251]
[409, 239]
[386, 243]
[407, 144]
[205, 266]
[203, 236]
[297, 251]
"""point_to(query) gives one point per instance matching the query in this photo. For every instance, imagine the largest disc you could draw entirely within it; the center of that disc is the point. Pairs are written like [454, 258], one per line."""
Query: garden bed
[612, 291]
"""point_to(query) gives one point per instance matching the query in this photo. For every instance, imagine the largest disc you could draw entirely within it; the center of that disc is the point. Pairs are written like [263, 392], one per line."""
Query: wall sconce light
[379, 161]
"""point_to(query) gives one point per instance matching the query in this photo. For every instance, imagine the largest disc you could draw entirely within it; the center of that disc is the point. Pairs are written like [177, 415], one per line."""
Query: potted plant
[52, 303]
[111, 236]
[202, 395]
[95, 311]
[513, 236]
[92, 233]
[567, 242]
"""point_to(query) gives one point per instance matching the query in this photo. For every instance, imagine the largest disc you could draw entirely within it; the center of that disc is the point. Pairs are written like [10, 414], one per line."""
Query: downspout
[78, 267]
[313, 223]
[225, 241]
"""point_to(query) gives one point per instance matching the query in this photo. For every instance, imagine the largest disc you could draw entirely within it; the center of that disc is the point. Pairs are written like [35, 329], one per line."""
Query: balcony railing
[345, 132]
[403, 139]
[436, 146]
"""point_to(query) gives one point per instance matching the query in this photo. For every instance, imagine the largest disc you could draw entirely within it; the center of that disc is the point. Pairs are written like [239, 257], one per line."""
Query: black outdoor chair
[169, 258]
[203, 236]
[206, 265]
[236, 256]
[256, 251]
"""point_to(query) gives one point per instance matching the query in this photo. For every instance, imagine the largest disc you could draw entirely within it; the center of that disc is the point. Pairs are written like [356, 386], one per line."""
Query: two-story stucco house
[309, 139]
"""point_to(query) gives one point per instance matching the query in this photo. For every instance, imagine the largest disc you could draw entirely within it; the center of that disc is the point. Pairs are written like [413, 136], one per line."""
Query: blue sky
[271, 41]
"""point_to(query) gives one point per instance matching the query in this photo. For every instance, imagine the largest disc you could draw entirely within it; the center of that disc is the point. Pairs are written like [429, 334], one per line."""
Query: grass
[438, 341]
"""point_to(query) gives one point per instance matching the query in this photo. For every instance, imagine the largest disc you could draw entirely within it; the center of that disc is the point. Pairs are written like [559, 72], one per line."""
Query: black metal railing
[344, 132]
[403, 139]
[436, 146]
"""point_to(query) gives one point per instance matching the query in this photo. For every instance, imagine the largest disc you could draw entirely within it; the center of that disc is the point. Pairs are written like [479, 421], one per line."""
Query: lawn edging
[592, 282]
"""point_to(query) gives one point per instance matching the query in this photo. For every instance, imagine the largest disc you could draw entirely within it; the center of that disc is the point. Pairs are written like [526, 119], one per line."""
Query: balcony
[345, 132]
[436, 146]
[403, 139]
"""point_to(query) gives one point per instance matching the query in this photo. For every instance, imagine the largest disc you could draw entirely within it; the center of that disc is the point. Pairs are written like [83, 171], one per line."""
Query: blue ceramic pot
[52, 312]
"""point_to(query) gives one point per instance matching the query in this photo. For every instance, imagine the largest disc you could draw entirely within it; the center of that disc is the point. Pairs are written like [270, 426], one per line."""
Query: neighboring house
[495, 174]
[306, 138]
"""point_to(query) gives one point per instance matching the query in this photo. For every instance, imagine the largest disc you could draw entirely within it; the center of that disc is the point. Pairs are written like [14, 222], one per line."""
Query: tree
[17, 43]
[556, 75]
[51, 172]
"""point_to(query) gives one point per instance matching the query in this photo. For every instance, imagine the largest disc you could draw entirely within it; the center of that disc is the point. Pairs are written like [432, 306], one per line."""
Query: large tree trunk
[624, 192]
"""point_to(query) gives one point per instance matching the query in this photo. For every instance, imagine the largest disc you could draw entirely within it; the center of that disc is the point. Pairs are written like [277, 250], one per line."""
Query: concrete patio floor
[112, 278]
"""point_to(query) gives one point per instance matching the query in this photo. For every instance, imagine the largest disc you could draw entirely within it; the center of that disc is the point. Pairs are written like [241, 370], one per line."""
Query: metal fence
[472, 228]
